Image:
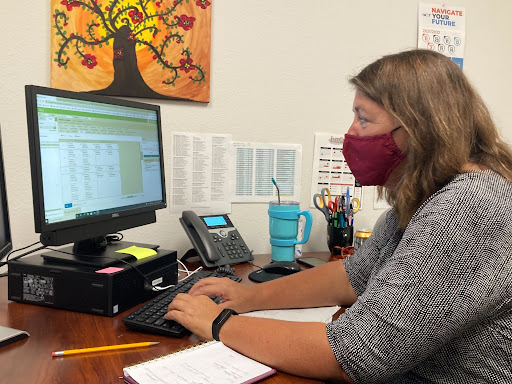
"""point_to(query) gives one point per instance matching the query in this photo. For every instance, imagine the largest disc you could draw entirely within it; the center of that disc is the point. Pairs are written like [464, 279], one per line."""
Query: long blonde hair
[447, 123]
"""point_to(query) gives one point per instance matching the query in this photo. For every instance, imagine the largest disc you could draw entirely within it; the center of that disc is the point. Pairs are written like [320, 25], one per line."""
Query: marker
[105, 348]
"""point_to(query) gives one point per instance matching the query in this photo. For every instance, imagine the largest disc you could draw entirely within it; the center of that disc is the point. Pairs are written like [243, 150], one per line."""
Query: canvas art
[138, 48]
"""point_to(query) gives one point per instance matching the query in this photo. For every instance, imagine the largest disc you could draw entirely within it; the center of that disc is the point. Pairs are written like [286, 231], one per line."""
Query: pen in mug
[348, 196]
[105, 348]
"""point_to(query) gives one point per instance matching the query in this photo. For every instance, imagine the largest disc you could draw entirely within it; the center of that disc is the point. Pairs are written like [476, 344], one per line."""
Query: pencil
[106, 348]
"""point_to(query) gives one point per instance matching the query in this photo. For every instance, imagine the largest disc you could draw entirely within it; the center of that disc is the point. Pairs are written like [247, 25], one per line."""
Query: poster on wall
[330, 170]
[156, 49]
[442, 28]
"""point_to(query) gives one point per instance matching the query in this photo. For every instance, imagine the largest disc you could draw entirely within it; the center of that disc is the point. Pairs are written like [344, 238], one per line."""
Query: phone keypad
[231, 245]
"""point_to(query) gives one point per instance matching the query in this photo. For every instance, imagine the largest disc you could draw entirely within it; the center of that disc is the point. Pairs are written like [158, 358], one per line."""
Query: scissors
[351, 209]
[335, 206]
[322, 204]
[356, 204]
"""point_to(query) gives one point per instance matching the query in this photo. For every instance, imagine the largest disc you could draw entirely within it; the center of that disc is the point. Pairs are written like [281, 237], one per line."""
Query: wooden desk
[30, 360]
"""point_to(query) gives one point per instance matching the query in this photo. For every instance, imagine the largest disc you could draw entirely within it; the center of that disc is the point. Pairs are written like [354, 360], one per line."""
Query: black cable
[2, 263]
[20, 249]
[114, 237]
[106, 257]
[254, 265]
[225, 269]
[109, 238]
[148, 283]
[28, 253]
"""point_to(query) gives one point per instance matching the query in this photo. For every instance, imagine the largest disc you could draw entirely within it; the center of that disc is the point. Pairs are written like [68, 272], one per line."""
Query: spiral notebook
[209, 363]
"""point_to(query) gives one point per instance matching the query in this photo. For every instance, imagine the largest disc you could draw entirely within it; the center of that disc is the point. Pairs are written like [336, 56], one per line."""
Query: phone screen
[311, 261]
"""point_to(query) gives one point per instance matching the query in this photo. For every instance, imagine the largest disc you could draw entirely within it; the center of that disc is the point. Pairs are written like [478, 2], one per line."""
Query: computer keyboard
[150, 317]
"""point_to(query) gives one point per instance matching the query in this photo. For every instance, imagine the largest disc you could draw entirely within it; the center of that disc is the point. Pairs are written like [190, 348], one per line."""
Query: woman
[430, 293]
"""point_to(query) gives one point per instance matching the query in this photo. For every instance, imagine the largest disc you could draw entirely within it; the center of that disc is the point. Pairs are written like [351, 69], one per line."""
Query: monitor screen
[96, 164]
[5, 230]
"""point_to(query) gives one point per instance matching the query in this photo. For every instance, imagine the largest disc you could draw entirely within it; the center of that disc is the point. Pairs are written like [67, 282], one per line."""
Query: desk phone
[215, 239]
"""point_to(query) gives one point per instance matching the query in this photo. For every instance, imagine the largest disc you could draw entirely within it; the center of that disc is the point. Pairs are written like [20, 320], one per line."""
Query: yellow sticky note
[138, 252]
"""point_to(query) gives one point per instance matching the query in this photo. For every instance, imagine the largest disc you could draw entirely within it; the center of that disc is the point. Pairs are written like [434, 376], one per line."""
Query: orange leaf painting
[138, 48]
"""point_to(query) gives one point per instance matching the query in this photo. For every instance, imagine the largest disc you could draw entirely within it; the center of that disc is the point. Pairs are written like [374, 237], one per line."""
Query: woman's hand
[196, 313]
[234, 295]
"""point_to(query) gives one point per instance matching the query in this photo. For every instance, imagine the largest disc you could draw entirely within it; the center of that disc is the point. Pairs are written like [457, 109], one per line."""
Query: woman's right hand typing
[234, 295]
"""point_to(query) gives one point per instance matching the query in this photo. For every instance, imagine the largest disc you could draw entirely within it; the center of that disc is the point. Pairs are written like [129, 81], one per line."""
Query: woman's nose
[352, 130]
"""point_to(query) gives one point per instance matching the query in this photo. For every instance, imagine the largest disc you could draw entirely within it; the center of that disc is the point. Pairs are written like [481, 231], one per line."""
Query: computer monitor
[5, 229]
[7, 335]
[97, 167]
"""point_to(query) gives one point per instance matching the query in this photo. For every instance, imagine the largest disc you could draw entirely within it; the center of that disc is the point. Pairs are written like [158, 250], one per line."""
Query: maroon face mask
[371, 158]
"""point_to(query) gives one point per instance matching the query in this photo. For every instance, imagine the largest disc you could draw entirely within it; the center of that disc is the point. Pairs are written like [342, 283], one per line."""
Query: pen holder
[339, 238]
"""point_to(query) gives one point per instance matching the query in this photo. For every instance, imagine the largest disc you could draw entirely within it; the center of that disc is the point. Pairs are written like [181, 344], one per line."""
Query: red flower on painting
[70, 4]
[185, 22]
[136, 16]
[186, 65]
[203, 3]
[89, 61]
[118, 53]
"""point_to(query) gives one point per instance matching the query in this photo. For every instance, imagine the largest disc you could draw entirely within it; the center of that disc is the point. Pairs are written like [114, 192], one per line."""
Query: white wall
[279, 74]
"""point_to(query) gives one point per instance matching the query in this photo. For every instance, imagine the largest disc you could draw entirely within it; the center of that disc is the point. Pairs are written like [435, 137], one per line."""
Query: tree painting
[137, 48]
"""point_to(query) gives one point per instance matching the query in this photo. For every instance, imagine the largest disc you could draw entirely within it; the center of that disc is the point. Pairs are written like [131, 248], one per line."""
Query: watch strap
[220, 320]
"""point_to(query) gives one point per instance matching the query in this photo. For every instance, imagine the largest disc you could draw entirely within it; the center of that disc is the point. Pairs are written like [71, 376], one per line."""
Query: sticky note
[138, 252]
[109, 270]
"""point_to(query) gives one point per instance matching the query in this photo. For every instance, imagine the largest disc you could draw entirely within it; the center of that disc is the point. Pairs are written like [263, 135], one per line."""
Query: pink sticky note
[109, 270]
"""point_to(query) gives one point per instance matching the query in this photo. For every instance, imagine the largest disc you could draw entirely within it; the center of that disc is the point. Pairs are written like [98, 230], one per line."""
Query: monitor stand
[99, 258]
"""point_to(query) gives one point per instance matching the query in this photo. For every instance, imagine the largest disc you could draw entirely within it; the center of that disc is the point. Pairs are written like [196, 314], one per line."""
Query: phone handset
[200, 238]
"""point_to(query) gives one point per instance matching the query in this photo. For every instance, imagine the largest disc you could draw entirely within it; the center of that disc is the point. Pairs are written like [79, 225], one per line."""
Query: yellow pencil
[106, 348]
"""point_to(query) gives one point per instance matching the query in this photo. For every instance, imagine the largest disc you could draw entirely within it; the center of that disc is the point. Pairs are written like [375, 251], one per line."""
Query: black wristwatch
[220, 320]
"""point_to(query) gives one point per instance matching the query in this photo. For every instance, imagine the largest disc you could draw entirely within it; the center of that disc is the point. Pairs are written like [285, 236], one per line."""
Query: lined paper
[208, 363]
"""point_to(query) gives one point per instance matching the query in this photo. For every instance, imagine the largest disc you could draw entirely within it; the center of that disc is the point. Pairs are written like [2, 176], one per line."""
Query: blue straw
[278, 194]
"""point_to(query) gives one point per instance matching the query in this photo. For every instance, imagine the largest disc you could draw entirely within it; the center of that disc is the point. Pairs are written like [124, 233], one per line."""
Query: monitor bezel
[7, 247]
[31, 92]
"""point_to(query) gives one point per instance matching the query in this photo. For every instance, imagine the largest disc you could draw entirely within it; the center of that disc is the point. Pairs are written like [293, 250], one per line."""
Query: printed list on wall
[256, 165]
[200, 173]
[210, 171]
[330, 170]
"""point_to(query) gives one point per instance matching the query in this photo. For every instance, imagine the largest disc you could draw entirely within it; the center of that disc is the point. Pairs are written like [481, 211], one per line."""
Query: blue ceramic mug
[283, 229]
